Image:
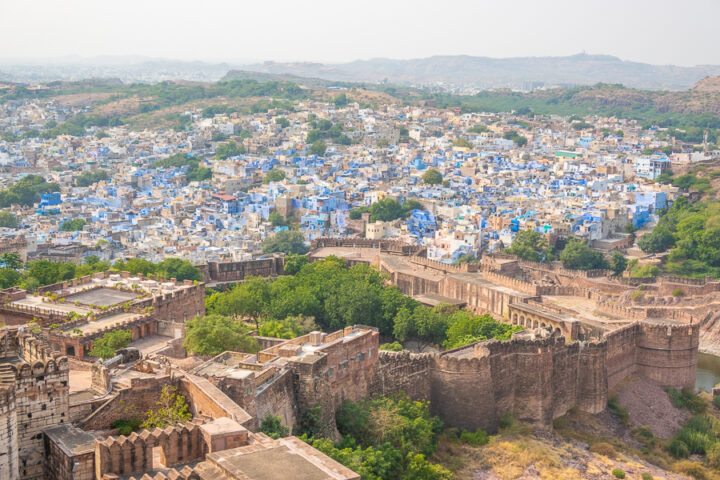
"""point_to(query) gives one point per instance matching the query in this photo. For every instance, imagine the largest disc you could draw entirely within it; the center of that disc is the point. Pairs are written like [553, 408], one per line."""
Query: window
[362, 357]
[331, 371]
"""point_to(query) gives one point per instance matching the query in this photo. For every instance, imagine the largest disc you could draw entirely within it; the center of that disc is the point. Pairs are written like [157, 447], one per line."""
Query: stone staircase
[7, 374]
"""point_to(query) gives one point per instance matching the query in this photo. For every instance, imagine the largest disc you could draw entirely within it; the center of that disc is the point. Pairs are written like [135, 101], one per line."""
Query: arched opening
[557, 331]
[70, 351]
[522, 320]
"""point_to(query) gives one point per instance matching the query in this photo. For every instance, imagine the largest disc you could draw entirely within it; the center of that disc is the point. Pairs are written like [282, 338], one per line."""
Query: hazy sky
[653, 31]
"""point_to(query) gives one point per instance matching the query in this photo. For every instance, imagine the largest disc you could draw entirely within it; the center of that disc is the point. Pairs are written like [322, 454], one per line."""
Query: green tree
[89, 177]
[229, 149]
[318, 148]
[277, 220]
[179, 269]
[618, 262]
[73, 225]
[432, 177]
[282, 121]
[293, 263]
[285, 241]
[106, 346]
[466, 328]
[529, 245]
[9, 278]
[659, 240]
[172, 408]
[340, 100]
[286, 328]
[578, 256]
[274, 175]
[135, 266]
[272, 426]
[11, 260]
[8, 219]
[214, 334]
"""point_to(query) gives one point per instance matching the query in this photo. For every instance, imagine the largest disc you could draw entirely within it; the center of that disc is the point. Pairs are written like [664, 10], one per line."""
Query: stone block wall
[148, 450]
[277, 397]
[41, 395]
[9, 441]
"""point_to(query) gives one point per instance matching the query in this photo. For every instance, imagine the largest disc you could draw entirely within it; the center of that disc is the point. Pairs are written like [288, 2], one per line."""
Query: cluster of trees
[105, 347]
[34, 274]
[318, 148]
[324, 129]
[167, 269]
[77, 125]
[387, 210]
[26, 191]
[229, 149]
[386, 437]
[73, 225]
[285, 241]
[583, 101]
[214, 334]
[575, 254]
[179, 160]
[8, 219]
[329, 295]
[89, 177]
[274, 175]
[688, 182]
[518, 139]
[691, 231]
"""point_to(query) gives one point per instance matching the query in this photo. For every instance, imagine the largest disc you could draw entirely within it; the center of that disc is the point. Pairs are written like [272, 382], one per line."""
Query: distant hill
[491, 73]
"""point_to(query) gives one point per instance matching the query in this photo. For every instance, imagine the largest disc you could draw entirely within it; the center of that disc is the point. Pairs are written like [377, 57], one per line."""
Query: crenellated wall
[150, 449]
[536, 376]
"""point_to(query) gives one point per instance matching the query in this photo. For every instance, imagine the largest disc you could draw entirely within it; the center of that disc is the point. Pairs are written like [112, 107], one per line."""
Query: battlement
[127, 455]
[443, 267]
[515, 284]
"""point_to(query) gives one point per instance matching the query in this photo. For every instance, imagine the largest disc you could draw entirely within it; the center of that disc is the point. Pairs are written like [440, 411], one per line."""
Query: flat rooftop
[284, 458]
[349, 253]
[101, 297]
[227, 364]
[71, 440]
[99, 324]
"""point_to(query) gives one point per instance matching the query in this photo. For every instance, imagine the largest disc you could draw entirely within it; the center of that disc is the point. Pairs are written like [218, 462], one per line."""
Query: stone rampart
[149, 450]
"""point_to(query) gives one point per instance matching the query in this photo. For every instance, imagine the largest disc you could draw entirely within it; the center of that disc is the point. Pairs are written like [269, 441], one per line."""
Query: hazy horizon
[222, 31]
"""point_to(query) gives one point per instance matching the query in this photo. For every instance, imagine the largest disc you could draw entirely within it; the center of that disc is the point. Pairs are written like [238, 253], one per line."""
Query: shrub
[126, 427]
[506, 420]
[617, 473]
[646, 476]
[272, 427]
[678, 449]
[716, 401]
[678, 292]
[686, 398]
[603, 448]
[693, 469]
[391, 347]
[476, 438]
[621, 412]
[713, 455]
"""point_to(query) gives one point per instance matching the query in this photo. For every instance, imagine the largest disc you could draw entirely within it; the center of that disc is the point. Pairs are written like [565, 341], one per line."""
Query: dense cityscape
[451, 267]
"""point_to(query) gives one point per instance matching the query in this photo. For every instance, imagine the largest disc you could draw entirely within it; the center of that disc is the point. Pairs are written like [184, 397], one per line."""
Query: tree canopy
[113, 340]
[529, 245]
[274, 175]
[387, 210]
[432, 177]
[214, 334]
[285, 241]
[26, 191]
[578, 256]
[8, 219]
[89, 177]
